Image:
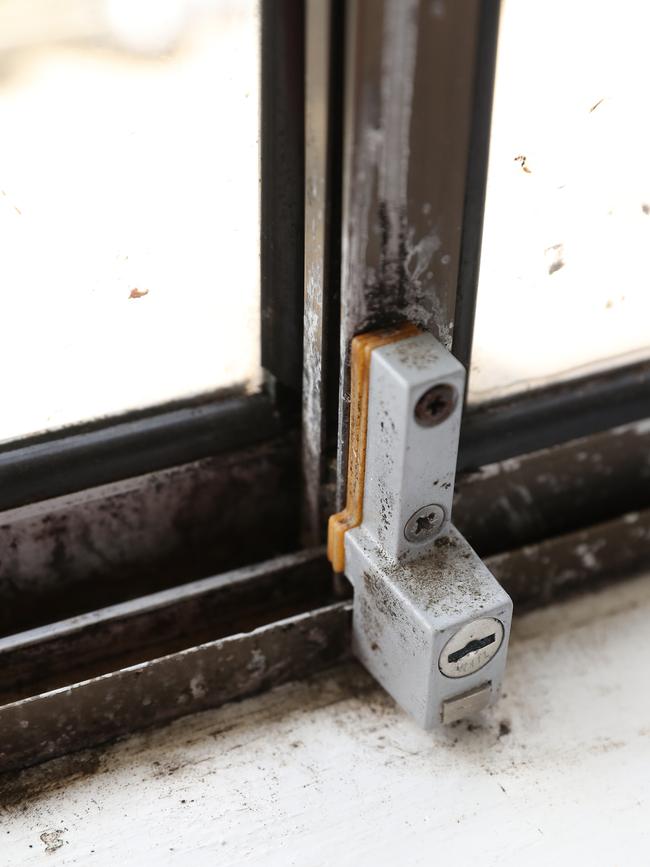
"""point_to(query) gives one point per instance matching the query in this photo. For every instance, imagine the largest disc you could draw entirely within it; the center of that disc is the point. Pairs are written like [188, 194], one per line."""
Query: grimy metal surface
[115, 542]
[162, 689]
[152, 626]
[80, 458]
[558, 413]
[409, 90]
[409, 97]
[550, 570]
[408, 465]
[555, 491]
[96, 548]
[476, 182]
[414, 592]
[282, 113]
[100, 547]
[149, 692]
[322, 262]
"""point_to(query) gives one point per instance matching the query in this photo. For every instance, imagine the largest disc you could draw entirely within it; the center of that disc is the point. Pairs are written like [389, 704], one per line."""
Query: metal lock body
[431, 622]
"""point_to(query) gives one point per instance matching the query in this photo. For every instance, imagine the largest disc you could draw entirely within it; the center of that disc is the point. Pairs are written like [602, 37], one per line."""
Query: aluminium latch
[430, 621]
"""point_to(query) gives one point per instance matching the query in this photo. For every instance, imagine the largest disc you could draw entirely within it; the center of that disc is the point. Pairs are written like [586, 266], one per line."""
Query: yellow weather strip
[352, 515]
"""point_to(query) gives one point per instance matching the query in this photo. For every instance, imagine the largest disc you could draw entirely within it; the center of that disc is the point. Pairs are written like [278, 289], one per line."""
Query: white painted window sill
[331, 772]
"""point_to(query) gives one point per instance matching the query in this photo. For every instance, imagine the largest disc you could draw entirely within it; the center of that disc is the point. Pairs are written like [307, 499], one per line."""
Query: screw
[436, 405]
[471, 647]
[424, 524]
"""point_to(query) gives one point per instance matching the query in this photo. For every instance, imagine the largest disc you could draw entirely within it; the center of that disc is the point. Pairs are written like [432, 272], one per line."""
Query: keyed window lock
[430, 621]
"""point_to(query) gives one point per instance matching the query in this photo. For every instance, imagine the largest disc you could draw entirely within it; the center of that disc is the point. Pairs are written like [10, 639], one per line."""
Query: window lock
[430, 621]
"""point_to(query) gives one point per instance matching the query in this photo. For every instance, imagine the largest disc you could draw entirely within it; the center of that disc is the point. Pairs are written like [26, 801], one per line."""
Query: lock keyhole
[471, 646]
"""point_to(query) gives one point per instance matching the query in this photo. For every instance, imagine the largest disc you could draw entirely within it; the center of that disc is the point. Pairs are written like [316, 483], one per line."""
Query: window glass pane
[564, 287]
[128, 206]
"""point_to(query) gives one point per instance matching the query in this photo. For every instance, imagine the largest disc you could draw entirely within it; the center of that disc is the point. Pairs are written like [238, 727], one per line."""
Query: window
[563, 285]
[129, 207]
[169, 559]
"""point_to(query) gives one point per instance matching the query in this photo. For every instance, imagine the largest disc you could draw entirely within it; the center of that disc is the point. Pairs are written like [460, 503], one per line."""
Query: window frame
[82, 456]
[568, 439]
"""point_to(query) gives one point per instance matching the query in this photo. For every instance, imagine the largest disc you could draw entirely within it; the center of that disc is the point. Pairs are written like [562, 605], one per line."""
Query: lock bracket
[430, 621]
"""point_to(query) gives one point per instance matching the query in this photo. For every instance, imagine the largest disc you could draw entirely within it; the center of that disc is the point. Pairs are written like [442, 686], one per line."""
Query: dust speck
[523, 162]
[53, 840]
[554, 257]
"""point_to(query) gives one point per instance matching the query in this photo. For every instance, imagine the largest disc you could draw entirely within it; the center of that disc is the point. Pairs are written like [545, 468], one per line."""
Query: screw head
[471, 647]
[425, 524]
[436, 404]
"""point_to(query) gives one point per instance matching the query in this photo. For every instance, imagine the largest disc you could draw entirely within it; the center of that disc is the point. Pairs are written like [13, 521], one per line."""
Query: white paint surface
[330, 772]
[564, 285]
[123, 171]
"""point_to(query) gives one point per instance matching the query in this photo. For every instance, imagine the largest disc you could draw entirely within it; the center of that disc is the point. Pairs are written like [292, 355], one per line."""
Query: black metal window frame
[83, 456]
[61, 462]
[370, 73]
[422, 85]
